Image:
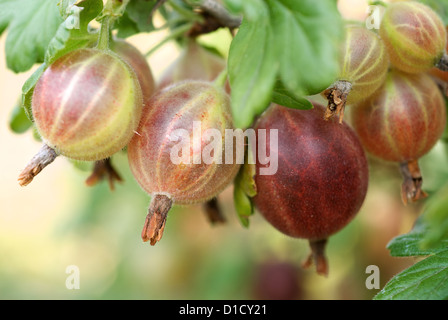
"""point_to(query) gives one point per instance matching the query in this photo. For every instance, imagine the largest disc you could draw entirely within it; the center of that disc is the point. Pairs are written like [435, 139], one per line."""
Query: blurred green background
[57, 221]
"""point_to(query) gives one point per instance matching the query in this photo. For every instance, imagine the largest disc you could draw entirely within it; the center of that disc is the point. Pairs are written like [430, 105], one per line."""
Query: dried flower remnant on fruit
[364, 65]
[104, 170]
[43, 158]
[411, 189]
[213, 211]
[155, 220]
[337, 99]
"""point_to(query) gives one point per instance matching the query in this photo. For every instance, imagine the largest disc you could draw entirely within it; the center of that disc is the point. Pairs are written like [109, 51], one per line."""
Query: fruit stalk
[43, 158]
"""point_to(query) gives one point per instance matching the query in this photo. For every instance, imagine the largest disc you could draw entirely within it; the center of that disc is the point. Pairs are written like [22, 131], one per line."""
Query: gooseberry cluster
[93, 102]
[405, 118]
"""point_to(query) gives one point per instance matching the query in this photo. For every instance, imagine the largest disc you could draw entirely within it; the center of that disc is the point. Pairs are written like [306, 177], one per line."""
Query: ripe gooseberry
[171, 116]
[401, 124]
[415, 37]
[86, 106]
[321, 181]
[364, 64]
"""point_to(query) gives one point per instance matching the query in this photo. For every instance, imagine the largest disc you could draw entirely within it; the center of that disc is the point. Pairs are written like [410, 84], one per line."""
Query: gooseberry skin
[149, 152]
[139, 64]
[404, 120]
[414, 35]
[87, 104]
[364, 62]
[194, 63]
[322, 175]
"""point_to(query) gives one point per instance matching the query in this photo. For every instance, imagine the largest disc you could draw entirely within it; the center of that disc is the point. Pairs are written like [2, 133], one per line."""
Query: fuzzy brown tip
[317, 256]
[155, 220]
[43, 158]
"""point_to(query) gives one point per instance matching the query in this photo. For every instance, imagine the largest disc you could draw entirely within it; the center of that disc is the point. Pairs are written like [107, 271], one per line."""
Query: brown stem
[317, 256]
[411, 189]
[443, 63]
[155, 220]
[213, 211]
[43, 158]
[220, 13]
[103, 169]
[215, 16]
[337, 98]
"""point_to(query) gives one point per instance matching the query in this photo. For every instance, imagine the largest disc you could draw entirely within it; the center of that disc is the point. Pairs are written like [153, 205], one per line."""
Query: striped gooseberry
[415, 37]
[364, 64]
[181, 114]
[86, 106]
[103, 169]
[401, 123]
[321, 181]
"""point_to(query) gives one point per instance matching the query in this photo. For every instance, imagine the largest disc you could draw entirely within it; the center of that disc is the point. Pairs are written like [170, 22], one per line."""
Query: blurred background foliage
[58, 221]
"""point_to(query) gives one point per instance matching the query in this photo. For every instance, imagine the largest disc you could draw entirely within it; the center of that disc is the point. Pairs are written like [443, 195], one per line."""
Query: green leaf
[435, 218]
[19, 122]
[294, 41]
[286, 98]
[31, 26]
[252, 66]
[70, 37]
[7, 9]
[136, 18]
[308, 34]
[430, 233]
[426, 280]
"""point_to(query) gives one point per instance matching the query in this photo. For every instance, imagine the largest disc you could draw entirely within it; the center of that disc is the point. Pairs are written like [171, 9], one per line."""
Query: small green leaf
[435, 218]
[31, 26]
[136, 18]
[426, 280]
[243, 205]
[410, 244]
[286, 98]
[245, 188]
[19, 122]
[430, 233]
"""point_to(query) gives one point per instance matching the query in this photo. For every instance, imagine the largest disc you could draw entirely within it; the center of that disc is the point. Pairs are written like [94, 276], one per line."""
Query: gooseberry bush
[290, 67]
